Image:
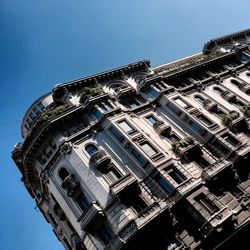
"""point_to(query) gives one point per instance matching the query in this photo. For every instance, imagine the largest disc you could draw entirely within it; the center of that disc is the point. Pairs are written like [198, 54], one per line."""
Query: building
[145, 158]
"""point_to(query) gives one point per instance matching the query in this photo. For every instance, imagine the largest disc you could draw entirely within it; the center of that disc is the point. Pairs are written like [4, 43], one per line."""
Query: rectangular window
[111, 173]
[181, 103]
[206, 204]
[42, 159]
[176, 175]
[164, 183]
[126, 126]
[232, 140]
[116, 134]
[151, 119]
[153, 92]
[105, 233]
[97, 112]
[40, 106]
[148, 149]
[171, 137]
[197, 128]
[204, 120]
[143, 161]
[173, 108]
[82, 201]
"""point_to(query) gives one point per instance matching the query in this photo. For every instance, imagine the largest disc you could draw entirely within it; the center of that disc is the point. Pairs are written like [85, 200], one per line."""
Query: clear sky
[45, 42]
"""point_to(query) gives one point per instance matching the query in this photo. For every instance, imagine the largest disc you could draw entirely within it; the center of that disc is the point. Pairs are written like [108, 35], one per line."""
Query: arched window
[218, 90]
[91, 149]
[199, 99]
[236, 82]
[248, 74]
[63, 173]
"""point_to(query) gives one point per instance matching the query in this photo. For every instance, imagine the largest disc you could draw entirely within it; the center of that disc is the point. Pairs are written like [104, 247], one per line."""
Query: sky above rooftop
[47, 42]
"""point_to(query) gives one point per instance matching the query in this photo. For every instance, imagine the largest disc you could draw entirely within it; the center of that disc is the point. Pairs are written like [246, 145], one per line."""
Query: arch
[199, 99]
[218, 90]
[248, 73]
[91, 149]
[63, 173]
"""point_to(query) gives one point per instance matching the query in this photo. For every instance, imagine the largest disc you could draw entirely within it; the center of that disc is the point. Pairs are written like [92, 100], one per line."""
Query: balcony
[123, 184]
[100, 159]
[186, 147]
[125, 93]
[91, 216]
[210, 106]
[71, 185]
[161, 128]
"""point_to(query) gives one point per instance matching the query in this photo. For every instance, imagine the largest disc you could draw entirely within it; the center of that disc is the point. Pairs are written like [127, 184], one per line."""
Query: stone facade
[145, 158]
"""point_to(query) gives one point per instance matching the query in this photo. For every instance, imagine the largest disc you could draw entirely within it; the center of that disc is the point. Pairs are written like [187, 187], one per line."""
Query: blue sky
[46, 42]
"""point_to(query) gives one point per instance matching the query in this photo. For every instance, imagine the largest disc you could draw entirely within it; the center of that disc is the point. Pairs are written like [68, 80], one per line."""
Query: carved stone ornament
[45, 177]
[66, 148]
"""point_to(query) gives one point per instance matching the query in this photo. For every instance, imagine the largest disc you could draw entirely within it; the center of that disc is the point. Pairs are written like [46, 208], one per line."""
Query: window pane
[125, 126]
[148, 149]
[177, 175]
[164, 183]
[82, 201]
[151, 119]
[139, 157]
[181, 103]
[204, 120]
[116, 134]
[91, 149]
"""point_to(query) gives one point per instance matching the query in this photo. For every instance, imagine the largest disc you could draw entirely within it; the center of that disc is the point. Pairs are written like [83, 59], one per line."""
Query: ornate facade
[145, 158]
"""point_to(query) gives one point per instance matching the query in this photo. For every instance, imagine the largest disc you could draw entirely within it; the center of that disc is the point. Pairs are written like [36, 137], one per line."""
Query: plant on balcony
[182, 143]
[90, 91]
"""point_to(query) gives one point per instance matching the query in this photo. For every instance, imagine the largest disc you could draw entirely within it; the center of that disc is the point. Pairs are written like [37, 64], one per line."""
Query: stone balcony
[100, 159]
[122, 184]
[91, 216]
[161, 128]
[186, 147]
[210, 105]
[125, 93]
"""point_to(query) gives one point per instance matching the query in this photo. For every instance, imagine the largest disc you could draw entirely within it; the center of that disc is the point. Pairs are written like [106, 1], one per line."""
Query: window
[116, 134]
[206, 204]
[171, 136]
[126, 126]
[236, 82]
[111, 173]
[202, 162]
[181, 103]
[151, 119]
[47, 152]
[204, 120]
[91, 149]
[231, 139]
[199, 99]
[152, 91]
[143, 161]
[174, 109]
[218, 91]
[176, 175]
[63, 173]
[105, 233]
[40, 106]
[148, 149]
[97, 112]
[197, 128]
[164, 183]
[82, 201]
